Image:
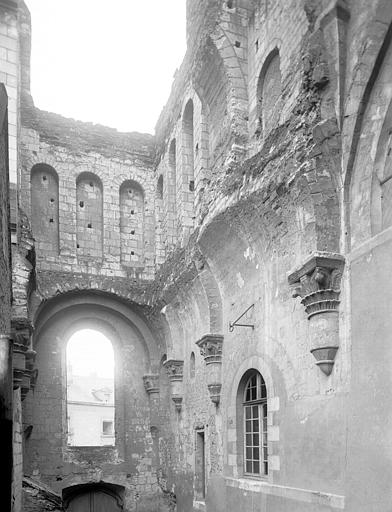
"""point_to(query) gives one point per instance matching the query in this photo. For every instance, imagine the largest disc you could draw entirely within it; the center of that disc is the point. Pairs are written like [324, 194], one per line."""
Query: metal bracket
[236, 324]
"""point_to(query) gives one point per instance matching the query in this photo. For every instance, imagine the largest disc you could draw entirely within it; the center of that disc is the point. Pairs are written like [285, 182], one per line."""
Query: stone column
[317, 282]
[211, 349]
[175, 371]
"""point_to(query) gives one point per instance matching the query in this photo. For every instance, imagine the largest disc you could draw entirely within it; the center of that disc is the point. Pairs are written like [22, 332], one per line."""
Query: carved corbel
[151, 383]
[317, 282]
[210, 346]
[175, 372]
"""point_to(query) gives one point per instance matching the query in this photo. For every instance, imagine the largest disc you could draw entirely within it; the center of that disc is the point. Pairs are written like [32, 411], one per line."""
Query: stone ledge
[293, 493]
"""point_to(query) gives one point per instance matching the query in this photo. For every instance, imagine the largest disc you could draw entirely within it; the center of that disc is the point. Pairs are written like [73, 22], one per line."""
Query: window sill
[314, 497]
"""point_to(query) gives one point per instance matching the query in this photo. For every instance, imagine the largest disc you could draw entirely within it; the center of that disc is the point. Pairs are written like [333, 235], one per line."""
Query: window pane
[255, 425]
[248, 426]
[248, 467]
[248, 453]
[256, 440]
[255, 411]
[256, 468]
[247, 412]
[256, 453]
[248, 440]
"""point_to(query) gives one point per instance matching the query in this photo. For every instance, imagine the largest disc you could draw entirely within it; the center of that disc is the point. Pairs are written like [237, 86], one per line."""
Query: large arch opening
[90, 389]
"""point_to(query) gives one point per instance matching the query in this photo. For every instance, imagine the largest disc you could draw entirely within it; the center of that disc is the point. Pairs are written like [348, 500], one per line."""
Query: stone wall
[251, 233]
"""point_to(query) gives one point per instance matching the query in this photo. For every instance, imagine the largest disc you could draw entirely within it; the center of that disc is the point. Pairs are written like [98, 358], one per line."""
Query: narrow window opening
[81, 204]
[237, 44]
[132, 232]
[192, 186]
[90, 389]
[51, 220]
[200, 466]
[44, 178]
[52, 200]
[192, 366]
[89, 225]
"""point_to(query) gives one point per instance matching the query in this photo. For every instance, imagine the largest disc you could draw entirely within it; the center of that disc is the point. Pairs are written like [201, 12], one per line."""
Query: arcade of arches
[231, 262]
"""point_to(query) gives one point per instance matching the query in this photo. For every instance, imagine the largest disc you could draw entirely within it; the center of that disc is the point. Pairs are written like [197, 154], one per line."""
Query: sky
[110, 63]
[89, 352]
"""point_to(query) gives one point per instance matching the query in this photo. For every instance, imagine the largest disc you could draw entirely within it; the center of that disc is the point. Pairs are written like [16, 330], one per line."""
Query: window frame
[258, 411]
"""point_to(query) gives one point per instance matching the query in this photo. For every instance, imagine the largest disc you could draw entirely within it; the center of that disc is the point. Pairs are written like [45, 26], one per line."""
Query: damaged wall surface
[234, 259]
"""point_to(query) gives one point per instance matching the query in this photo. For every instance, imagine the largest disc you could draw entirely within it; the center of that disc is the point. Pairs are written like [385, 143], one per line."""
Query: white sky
[88, 352]
[109, 62]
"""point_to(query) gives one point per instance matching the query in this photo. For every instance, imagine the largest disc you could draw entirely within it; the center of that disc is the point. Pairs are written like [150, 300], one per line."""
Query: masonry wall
[130, 463]
[94, 225]
[305, 181]
[9, 74]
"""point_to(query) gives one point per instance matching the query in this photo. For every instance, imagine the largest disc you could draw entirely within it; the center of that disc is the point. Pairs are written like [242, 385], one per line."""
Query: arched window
[90, 389]
[132, 223]
[188, 147]
[254, 412]
[192, 366]
[45, 208]
[269, 89]
[160, 187]
[89, 216]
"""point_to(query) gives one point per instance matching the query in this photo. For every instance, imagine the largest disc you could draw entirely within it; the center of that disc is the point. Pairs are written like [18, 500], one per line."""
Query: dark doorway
[93, 499]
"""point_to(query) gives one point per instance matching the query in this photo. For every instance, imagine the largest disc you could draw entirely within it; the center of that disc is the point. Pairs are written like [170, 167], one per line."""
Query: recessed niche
[81, 204]
[44, 178]
[192, 186]
[51, 220]
[89, 225]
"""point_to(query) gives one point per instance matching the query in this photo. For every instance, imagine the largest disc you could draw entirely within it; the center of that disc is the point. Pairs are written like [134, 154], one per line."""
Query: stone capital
[175, 369]
[317, 282]
[210, 346]
[151, 383]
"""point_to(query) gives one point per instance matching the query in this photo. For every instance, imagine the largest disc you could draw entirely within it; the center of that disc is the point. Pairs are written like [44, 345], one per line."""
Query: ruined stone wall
[73, 179]
[285, 201]
[131, 463]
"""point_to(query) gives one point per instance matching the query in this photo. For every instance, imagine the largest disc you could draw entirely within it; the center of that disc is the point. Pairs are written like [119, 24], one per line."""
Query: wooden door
[95, 500]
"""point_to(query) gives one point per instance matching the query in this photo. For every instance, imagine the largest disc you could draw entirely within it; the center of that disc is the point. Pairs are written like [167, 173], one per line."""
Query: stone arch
[269, 88]
[44, 190]
[136, 353]
[237, 104]
[365, 74]
[111, 494]
[214, 299]
[132, 222]
[89, 216]
[365, 171]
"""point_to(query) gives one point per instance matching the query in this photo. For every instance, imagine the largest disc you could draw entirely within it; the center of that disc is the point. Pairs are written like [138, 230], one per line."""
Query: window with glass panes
[255, 426]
